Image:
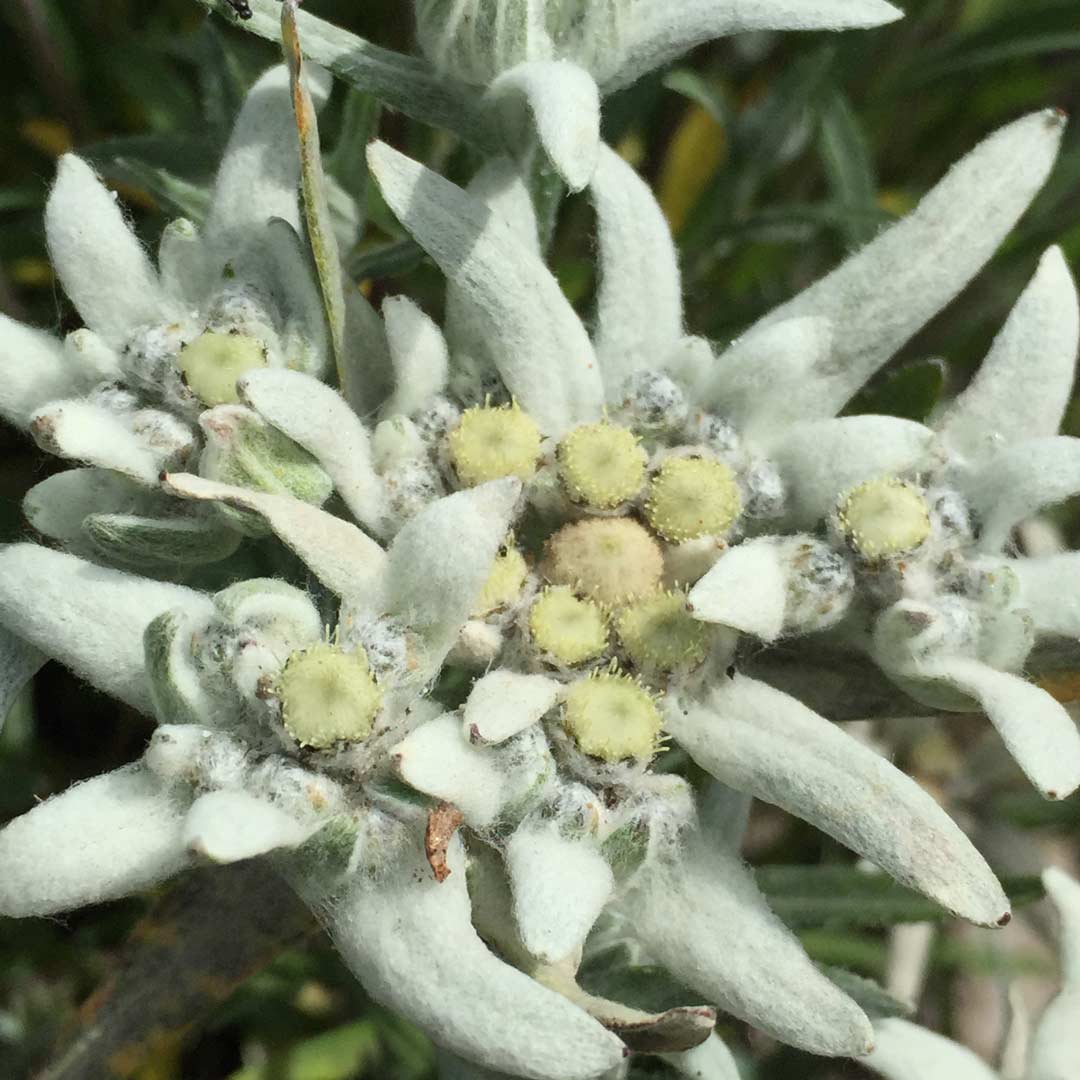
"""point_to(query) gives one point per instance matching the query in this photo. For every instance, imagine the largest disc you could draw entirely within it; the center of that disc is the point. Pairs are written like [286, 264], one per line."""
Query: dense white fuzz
[879, 298]
[227, 826]
[99, 840]
[703, 918]
[33, 370]
[639, 311]
[435, 594]
[19, 663]
[1022, 387]
[746, 589]
[317, 418]
[1035, 728]
[823, 459]
[1020, 480]
[560, 887]
[182, 262]
[543, 352]
[101, 264]
[419, 355]
[564, 104]
[1053, 1048]
[1050, 592]
[345, 560]
[89, 618]
[711, 1060]
[411, 942]
[58, 505]
[905, 1051]
[761, 741]
[503, 703]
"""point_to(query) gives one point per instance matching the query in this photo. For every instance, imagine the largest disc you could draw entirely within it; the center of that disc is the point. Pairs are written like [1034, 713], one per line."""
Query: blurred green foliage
[773, 156]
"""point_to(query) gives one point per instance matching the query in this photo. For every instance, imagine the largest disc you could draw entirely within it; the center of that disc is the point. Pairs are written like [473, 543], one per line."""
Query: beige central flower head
[613, 560]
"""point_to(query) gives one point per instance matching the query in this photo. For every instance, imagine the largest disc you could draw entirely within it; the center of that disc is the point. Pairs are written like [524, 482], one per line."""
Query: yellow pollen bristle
[612, 560]
[884, 517]
[491, 442]
[568, 628]
[602, 465]
[658, 633]
[692, 497]
[612, 717]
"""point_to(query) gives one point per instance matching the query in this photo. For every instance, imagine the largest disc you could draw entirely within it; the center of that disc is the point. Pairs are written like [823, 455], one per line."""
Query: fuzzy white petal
[89, 618]
[820, 461]
[711, 1060]
[19, 663]
[704, 919]
[560, 887]
[639, 313]
[101, 263]
[1022, 387]
[759, 740]
[441, 559]
[411, 942]
[182, 263]
[32, 371]
[905, 1051]
[746, 589]
[564, 104]
[345, 560]
[58, 505]
[419, 355]
[503, 703]
[880, 297]
[227, 826]
[318, 418]
[1035, 728]
[100, 840]
[1050, 591]
[543, 352]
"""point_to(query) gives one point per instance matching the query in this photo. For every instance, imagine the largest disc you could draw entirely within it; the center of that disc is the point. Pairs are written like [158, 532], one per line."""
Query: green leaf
[386, 260]
[341, 1054]
[708, 95]
[849, 167]
[347, 164]
[910, 392]
[872, 998]
[174, 195]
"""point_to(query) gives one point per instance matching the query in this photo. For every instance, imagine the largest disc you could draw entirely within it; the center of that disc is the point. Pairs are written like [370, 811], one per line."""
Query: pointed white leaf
[1050, 591]
[1020, 480]
[19, 663]
[318, 418]
[33, 371]
[703, 918]
[227, 826]
[711, 1060]
[367, 372]
[880, 297]
[411, 942]
[560, 887]
[746, 589]
[905, 1051]
[724, 814]
[182, 263]
[89, 618]
[1053, 1049]
[503, 703]
[101, 263]
[543, 353]
[564, 104]
[639, 312]
[347, 561]
[419, 354]
[1036, 729]
[764, 742]
[820, 461]
[1021, 389]
[58, 505]
[99, 840]
[441, 559]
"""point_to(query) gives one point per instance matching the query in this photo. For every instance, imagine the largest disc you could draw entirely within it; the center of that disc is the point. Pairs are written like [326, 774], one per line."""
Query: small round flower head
[504, 583]
[692, 497]
[213, 362]
[883, 517]
[715, 432]
[659, 634]
[654, 402]
[821, 586]
[328, 696]
[492, 442]
[568, 628]
[613, 560]
[612, 717]
[602, 465]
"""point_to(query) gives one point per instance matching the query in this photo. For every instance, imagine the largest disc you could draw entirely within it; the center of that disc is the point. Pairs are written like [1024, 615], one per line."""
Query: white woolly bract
[89, 618]
[711, 1060]
[560, 887]
[1050, 591]
[759, 740]
[503, 703]
[19, 663]
[880, 297]
[99, 840]
[419, 355]
[746, 589]
[542, 350]
[58, 505]
[34, 371]
[411, 942]
[182, 263]
[227, 826]
[905, 1051]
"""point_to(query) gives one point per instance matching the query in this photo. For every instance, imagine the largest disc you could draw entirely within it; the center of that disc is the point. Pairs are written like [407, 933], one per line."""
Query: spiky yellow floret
[884, 517]
[613, 560]
[612, 717]
[658, 633]
[568, 628]
[213, 362]
[692, 497]
[492, 442]
[504, 583]
[328, 696]
[602, 465]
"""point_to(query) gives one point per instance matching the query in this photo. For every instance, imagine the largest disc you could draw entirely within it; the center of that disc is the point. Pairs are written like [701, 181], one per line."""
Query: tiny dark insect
[241, 7]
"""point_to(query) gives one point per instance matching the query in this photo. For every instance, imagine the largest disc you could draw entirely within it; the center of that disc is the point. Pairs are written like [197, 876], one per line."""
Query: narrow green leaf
[341, 1054]
[711, 97]
[849, 167]
[872, 998]
[387, 260]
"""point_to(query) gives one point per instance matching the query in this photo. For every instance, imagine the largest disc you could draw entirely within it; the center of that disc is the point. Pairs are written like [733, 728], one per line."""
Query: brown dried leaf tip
[442, 823]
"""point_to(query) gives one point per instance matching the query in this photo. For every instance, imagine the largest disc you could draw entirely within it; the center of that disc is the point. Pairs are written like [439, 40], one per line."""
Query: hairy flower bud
[213, 362]
[612, 717]
[567, 628]
[490, 443]
[602, 465]
[692, 497]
